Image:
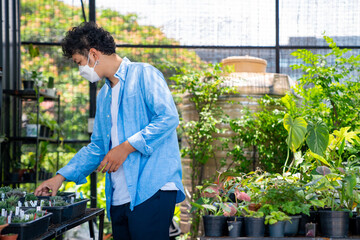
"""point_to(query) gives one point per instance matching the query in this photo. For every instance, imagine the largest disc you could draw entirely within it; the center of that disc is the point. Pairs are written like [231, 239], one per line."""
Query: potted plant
[33, 127]
[211, 208]
[254, 223]
[276, 221]
[31, 78]
[50, 90]
[3, 223]
[334, 190]
[236, 217]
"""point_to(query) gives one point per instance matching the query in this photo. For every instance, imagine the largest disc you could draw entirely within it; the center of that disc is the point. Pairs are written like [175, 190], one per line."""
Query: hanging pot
[277, 229]
[215, 226]
[334, 223]
[291, 228]
[254, 227]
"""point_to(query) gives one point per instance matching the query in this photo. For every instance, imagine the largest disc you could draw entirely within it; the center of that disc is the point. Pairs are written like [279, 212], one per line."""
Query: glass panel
[304, 22]
[188, 22]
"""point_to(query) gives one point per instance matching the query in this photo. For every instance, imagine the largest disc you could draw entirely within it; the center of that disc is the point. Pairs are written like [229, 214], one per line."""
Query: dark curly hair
[85, 36]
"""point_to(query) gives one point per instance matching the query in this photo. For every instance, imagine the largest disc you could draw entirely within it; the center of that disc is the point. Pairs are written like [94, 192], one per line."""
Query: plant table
[56, 230]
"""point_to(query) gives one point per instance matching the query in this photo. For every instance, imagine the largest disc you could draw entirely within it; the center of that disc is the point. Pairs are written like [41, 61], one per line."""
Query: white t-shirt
[120, 192]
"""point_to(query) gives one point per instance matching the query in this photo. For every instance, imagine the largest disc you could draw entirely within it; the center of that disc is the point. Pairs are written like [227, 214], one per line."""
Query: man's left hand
[115, 157]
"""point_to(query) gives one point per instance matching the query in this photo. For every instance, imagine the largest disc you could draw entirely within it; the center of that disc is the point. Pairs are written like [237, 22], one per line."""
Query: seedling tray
[64, 213]
[29, 230]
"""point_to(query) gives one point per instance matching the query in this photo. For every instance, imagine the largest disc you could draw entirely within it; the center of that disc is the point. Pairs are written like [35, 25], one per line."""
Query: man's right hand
[50, 186]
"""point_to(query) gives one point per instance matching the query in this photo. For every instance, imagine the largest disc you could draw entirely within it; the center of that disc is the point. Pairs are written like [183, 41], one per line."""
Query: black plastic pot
[357, 224]
[64, 213]
[334, 223]
[29, 230]
[235, 227]
[42, 131]
[47, 131]
[291, 228]
[306, 219]
[277, 229]
[254, 227]
[28, 84]
[352, 224]
[215, 226]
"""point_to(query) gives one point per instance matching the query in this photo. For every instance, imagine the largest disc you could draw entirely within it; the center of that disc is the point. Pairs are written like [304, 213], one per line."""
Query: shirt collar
[121, 72]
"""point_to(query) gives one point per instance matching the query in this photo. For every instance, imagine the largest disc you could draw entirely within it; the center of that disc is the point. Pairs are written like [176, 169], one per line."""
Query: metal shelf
[30, 94]
[33, 139]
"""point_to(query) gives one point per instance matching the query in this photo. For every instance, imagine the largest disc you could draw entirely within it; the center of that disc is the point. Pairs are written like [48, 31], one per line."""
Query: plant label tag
[17, 211]
[31, 203]
[41, 202]
[81, 195]
[22, 214]
[77, 195]
[38, 208]
[26, 204]
[19, 204]
[9, 219]
[3, 212]
[35, 203]
[72, 200]
[24, 193]
[2, 196]
[27, 217]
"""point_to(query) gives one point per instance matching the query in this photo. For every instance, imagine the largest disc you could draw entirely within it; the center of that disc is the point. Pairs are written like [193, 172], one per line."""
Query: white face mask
[88, 72]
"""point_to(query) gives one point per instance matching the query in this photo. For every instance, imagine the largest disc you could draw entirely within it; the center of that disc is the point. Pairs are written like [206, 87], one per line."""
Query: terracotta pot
[9, 237]
[3, 226]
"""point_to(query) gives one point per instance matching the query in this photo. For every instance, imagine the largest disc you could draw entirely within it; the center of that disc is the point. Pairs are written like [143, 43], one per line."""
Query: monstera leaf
[318, 138]
[297, 131]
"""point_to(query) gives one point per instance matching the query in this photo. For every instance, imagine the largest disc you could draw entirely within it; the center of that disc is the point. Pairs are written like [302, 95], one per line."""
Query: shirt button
[108, 116]
[108, 135]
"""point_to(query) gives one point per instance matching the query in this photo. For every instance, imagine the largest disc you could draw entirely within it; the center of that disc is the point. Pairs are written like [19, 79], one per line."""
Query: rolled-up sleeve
[160, 103]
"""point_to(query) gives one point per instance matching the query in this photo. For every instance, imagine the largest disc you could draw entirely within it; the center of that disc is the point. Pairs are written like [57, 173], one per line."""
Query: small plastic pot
[277, 229]
[254, 227]
[235, 227]
[214, 226]
[291, 228]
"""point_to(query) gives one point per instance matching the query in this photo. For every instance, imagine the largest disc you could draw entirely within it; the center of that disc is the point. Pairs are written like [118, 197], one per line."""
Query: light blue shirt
[149, 121]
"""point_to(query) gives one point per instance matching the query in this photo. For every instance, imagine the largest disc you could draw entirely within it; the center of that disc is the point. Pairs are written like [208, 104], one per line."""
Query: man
[134, 138]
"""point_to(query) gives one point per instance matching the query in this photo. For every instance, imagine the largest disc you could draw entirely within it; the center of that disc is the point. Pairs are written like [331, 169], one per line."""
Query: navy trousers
[149, 220]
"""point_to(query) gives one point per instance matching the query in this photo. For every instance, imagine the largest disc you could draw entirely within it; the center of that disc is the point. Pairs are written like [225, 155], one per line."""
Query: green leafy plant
[5, 189]
[276, 216]
[2, 220]
[30, 197]
[260, 132]
[334, 97]
[12, 201]
[255, 214]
